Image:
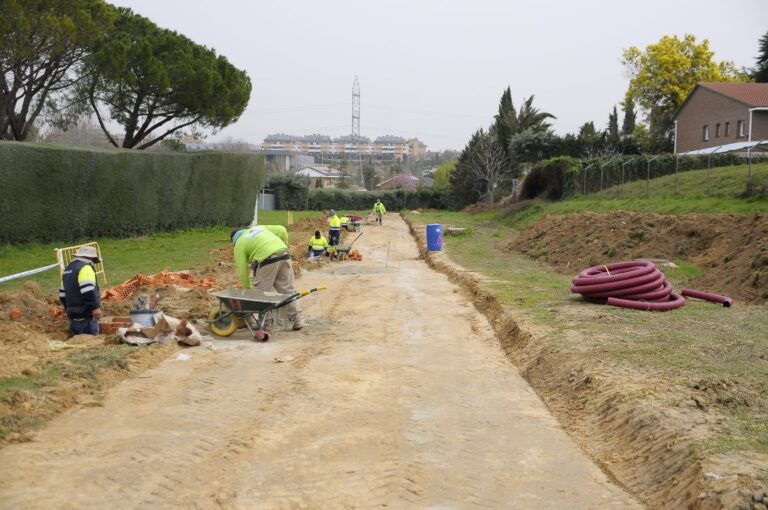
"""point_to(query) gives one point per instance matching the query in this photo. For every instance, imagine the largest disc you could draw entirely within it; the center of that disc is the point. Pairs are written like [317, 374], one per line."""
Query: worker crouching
[317, 245]
[79, 292]
[267, 255]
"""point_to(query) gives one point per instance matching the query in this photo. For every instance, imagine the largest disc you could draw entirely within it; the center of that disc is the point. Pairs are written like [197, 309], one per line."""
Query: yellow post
[289, 218]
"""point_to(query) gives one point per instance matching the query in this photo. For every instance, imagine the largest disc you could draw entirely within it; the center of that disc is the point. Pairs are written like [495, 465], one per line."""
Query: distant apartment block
[325, 148]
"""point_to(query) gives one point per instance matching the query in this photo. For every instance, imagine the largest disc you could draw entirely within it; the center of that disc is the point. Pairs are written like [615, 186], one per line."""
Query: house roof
[321, 172]
[752, 94]
[748, 94]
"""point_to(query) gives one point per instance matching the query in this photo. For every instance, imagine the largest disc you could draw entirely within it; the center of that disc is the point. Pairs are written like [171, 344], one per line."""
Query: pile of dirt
[731, 250]
[40, 312]
[175, 300]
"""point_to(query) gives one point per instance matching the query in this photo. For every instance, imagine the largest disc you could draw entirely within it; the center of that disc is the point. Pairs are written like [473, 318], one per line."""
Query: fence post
[648, 177]
[709, 172]
[749, 174]
[622, 176]
[677, 162]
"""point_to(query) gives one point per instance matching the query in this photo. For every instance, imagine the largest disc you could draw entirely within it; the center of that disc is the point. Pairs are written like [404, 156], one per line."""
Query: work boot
[298, 321]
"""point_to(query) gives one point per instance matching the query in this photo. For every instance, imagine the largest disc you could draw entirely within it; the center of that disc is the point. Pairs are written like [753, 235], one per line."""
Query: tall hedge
[54, 193]
[294, 193]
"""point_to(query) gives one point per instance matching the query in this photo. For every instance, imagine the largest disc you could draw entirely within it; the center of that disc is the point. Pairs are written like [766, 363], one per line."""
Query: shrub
[551, 179]
[53, 193]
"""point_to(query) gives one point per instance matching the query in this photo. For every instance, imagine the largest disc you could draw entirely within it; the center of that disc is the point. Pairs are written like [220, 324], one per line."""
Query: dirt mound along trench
[731, 250]
[638, 442]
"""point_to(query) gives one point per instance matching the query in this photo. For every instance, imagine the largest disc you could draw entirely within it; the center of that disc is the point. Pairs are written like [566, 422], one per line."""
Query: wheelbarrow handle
[310, 291]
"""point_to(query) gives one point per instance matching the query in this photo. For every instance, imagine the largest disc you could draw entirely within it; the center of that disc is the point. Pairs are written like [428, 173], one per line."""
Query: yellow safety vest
[334, 222]
[318, 244]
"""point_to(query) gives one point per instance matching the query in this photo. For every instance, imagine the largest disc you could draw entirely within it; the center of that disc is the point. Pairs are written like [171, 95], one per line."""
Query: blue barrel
[434, 237]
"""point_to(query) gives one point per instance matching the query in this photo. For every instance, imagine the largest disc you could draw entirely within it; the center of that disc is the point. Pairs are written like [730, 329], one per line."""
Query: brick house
[717, 114]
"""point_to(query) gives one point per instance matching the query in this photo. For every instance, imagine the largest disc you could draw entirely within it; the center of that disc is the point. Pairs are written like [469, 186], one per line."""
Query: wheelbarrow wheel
[221, 323]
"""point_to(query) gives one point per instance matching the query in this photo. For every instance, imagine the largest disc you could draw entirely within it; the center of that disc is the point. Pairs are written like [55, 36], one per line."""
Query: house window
[705, 134]
[727, 129]
[717, 130]
[740, 129]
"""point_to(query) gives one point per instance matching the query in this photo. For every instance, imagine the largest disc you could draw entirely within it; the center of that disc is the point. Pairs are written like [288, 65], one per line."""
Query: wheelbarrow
[250, 307]
[343, 253]
[353, 223]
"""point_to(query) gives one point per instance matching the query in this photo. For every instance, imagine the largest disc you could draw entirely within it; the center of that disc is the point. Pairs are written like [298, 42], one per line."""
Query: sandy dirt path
[396, 396]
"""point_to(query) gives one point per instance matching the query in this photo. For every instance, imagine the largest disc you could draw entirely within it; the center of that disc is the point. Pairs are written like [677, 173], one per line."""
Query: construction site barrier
[65, 256]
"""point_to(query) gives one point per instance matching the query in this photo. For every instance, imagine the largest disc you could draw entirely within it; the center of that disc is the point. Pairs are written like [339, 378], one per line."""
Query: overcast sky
[435, 69]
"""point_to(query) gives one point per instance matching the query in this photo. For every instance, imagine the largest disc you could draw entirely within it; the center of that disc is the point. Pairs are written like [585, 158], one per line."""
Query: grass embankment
[727, 182]
[695, 196]
[176, 251]
[715, 354]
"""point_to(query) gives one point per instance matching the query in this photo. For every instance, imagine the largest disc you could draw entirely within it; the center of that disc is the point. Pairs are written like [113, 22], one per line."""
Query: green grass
[698, 341]
[728, 181]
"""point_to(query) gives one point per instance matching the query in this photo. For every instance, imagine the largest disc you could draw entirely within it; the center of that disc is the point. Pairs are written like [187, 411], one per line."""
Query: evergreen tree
[505, 124]
[628, 126]
[760, 71]
[613, 127]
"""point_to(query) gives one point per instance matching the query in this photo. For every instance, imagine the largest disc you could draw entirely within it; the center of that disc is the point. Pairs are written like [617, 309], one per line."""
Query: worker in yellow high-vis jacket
[79, 292]
[317, 245]
[267, 255]
[334, 228]
[379, 210]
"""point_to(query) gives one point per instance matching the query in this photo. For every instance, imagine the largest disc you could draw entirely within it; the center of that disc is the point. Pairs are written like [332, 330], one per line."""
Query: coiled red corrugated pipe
[637, 284]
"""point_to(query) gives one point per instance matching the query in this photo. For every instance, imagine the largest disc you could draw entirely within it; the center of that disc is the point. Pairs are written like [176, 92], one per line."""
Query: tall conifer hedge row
[53, 193]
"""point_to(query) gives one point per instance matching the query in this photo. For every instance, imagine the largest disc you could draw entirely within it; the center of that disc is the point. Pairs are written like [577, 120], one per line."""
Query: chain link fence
[721, 175]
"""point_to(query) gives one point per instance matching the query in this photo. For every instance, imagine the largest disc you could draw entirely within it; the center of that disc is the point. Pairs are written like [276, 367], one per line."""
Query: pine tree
[628, 126]
[760, 72]
[613, 126]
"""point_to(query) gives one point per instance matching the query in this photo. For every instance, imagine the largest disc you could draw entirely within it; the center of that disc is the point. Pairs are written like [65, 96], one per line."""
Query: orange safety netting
[164, 277]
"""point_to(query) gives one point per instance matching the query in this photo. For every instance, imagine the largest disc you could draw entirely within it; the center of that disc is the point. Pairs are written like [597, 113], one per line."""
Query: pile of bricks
[356, 255]
[164, 277]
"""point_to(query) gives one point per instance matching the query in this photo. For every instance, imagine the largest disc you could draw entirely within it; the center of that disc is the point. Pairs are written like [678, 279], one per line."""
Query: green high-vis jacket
[253, 246]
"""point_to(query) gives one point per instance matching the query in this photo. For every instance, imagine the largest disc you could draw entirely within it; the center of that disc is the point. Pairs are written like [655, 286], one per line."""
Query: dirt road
[397, 396]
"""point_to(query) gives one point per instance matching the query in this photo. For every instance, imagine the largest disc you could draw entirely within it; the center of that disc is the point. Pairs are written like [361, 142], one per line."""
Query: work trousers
[84, 326]
[334, 237]
[278, 275]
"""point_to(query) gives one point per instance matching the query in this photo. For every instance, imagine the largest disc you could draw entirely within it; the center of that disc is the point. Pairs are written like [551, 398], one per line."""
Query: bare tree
[84, 133]
[487, 163]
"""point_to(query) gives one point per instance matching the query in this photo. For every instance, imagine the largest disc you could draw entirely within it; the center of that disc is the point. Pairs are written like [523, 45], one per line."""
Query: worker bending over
[334, 228]
[259, 249]
[79, 292]
[379, 210]
[317, 245]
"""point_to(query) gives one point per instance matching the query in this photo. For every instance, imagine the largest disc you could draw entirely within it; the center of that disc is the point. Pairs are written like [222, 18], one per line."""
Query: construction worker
[334, 228]
[79, 292]
[317, 245]
[379, 210]
[268, 256]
